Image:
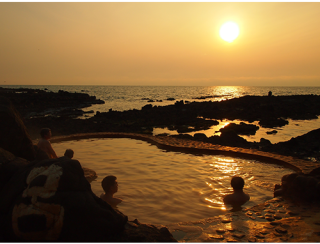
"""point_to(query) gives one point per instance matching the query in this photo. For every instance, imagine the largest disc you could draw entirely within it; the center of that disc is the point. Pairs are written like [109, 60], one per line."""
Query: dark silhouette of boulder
[9, 165]
[241, 129]
[200, 136]
[315, 172]
[272, 132]
[13, 133]
[51, 200]
[230, 138]
[272, 122]
[299, 187]
[264, 143]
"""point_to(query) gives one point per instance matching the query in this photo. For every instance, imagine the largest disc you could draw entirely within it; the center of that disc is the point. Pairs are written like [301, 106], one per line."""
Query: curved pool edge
[198, 147]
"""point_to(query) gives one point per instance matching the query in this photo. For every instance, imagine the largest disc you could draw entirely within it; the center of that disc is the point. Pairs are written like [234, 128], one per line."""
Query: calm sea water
[162, 187]
[122, 98]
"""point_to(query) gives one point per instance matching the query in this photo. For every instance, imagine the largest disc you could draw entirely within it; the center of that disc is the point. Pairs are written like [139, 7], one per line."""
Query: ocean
[121, 98]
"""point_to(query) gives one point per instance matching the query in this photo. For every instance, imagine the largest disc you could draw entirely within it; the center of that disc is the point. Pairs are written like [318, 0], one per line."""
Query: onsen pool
[162, 187]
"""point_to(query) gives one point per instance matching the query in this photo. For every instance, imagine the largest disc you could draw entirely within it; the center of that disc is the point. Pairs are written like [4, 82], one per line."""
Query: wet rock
[264, 231]
[277, 216]
[220, 231]
[239, 236]
[269, 218]
[252, 239]
[218, 237]
[281, 230]
[231, 240]
[275, 223]
[226, 220]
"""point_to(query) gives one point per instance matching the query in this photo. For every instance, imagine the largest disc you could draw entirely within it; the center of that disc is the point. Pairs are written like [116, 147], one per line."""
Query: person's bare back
[238, 197]
[44, 143]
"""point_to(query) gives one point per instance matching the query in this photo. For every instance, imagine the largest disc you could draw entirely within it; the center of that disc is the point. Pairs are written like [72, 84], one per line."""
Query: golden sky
[163, 43]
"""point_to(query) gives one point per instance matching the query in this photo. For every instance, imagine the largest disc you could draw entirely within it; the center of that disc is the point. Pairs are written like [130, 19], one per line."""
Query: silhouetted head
[237, 183]
[109, 183]
[45, 132]
[69, 153]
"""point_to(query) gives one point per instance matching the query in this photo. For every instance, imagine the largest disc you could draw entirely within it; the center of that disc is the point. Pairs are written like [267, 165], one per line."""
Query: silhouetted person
[238, 197]
[69, 153]
[269, 93]
[110, 187]
[44, 143]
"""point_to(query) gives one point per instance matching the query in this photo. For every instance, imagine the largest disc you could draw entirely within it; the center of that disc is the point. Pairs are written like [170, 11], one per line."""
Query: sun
[229, 31]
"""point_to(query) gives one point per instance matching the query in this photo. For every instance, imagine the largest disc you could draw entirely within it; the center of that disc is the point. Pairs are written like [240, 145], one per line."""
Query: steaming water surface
[162, 187]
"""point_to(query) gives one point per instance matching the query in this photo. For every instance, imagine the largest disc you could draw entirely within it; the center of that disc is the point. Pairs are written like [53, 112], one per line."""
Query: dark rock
[241, 129]
[273, 122]
[265, 142]
[199, 136]
[315, 172]
[148, 106]
[9, 165]
[31, 102]
[232, 139]
[13, 133]
[299, 187]
[272, 132]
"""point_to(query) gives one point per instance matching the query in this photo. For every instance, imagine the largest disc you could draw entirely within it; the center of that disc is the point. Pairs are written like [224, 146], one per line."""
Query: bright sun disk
[229, 31]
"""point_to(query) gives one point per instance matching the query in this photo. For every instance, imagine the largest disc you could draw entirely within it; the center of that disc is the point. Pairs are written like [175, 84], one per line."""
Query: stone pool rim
[198, 147]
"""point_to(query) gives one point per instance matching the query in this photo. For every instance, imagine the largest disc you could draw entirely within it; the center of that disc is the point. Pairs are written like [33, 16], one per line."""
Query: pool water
[162, 187]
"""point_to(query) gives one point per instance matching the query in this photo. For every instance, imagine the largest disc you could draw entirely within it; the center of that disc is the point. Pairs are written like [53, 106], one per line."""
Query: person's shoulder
[228, 198]
[102, 196]
[43, 141]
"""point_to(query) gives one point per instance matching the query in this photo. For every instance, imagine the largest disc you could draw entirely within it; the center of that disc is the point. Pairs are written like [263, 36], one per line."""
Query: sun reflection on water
[229, 91]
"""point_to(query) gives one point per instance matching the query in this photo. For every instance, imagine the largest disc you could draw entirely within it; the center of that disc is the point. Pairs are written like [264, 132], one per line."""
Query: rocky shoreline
[274, 221]
[59, 111]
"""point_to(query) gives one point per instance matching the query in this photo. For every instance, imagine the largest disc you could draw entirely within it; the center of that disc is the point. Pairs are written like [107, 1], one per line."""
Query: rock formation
[13, 134]
[300, 187]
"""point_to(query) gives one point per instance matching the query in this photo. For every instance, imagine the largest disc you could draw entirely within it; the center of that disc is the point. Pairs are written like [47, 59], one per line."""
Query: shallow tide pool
[162, 187]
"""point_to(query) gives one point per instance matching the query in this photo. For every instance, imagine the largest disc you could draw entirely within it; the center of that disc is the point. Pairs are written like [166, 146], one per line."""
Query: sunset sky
[163, 43]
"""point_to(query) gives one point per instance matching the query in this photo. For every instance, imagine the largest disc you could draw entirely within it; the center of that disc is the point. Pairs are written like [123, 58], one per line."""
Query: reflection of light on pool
[165, 187]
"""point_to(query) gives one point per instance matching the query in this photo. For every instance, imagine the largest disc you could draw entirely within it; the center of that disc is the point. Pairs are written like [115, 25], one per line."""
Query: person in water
[110, 187]
[44, 143]
[238, 197]
[69, 153]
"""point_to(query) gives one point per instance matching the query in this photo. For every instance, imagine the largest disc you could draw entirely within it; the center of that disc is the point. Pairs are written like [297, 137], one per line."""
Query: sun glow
[229, 31]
